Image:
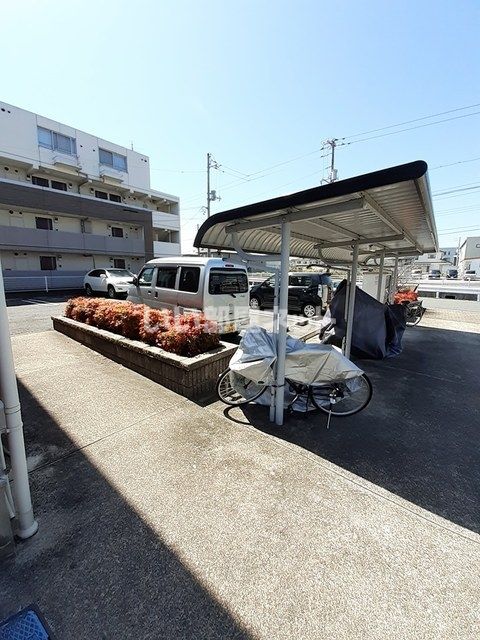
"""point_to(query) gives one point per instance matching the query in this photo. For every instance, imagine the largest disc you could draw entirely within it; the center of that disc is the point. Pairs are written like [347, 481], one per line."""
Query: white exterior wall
[27, 220]
[30, 261]
[21, 158]
[19, 141]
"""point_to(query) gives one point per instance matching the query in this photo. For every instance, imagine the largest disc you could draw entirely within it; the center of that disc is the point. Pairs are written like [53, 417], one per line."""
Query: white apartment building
[469, 255]
[71, 202]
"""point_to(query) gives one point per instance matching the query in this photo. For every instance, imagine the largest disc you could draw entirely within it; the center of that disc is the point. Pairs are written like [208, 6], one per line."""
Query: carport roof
[388, 210]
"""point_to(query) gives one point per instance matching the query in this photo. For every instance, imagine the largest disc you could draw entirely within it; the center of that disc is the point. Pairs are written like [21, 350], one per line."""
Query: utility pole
[332, 143]
[211, 193]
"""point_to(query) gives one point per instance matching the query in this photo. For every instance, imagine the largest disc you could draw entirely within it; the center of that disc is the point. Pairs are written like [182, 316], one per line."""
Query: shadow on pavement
[418, 438]
[95, 568]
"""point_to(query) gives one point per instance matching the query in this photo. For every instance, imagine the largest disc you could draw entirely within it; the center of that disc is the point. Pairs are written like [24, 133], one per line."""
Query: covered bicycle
[317, 376]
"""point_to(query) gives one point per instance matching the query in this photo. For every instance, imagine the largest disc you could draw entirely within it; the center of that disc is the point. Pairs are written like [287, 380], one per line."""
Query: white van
[216, 286]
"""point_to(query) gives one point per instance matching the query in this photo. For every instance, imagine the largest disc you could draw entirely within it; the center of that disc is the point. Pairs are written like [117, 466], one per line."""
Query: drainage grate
[25, 625]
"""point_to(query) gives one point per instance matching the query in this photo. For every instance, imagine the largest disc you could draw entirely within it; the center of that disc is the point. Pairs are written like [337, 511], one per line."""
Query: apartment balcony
[161, 249]
[109, 174]
[22, 239]
[165, 220]
[61, 160]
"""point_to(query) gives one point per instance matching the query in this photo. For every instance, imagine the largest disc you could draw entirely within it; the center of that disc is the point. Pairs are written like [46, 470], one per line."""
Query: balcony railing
[166, 249]
[162, 220]
[40, 239]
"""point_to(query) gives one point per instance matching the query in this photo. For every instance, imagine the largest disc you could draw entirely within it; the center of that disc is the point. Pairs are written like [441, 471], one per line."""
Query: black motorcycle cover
[377, 328]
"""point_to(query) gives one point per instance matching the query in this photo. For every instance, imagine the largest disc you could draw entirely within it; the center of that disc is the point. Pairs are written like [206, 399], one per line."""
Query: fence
[41, 282]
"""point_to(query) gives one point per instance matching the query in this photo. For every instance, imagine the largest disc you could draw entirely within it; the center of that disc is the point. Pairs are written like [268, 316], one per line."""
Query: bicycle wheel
[340, 399]
[413, 320]
[234, 389]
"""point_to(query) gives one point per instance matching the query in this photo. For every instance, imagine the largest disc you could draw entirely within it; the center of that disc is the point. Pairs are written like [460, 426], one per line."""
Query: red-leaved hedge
[185, 335]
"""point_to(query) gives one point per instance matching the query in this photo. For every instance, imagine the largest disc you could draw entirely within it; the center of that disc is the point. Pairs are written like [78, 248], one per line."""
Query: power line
[420, 126]
[442, 166]
[400, 124]
[456, 187]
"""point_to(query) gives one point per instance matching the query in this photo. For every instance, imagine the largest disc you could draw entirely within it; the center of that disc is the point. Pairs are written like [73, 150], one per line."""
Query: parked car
[452, 274]
[113, 282]
[417, 273]
[215, 286]
[434, 274]
[471, 274]
[307, 292]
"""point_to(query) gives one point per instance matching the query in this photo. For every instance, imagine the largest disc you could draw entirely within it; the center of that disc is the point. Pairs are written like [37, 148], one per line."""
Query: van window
[300, 281]
[166, 277]
[226, 281]
[145, 277]
[189, 279]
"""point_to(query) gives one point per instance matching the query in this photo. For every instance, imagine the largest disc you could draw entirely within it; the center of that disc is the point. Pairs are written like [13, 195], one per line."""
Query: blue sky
[257, 83]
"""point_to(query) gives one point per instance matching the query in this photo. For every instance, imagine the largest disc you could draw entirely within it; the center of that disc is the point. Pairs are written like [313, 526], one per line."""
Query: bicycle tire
[414, 322]
[231, 396]
[335, 409]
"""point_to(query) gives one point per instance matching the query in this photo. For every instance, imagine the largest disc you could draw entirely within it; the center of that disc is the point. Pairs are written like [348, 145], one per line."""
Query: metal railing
[15, 284]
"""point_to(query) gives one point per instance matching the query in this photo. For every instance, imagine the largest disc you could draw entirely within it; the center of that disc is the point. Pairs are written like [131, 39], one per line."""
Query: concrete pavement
[162, 519]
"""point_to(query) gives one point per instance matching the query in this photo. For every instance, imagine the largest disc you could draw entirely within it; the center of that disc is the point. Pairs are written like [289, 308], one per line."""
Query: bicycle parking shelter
[386, 213]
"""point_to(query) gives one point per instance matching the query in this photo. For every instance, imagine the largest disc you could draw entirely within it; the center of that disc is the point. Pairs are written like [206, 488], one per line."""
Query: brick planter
[194, 378]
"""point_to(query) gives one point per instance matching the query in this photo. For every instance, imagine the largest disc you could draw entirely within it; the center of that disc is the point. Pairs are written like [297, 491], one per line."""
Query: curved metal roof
[388, 210]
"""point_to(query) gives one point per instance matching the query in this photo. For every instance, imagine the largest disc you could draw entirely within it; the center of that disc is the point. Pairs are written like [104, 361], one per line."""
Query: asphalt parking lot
[211, 523]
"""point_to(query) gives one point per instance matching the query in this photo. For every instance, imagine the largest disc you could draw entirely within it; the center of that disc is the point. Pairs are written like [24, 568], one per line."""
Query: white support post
[380, 290]
[275, 334]
[351, 301]
[46, 284]
[394, 286]
[27, 525]
[282, 323]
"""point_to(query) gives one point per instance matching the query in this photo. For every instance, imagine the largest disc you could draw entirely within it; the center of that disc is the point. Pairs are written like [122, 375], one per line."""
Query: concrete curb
[194, 378]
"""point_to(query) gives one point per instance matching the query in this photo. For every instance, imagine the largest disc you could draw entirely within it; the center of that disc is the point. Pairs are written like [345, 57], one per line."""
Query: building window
[56, 141]
[118, 263]
[117, 232]
[40, 182]
[103, 195]
[44, 223]
[61, 186]
[48, 263]
[114, 160]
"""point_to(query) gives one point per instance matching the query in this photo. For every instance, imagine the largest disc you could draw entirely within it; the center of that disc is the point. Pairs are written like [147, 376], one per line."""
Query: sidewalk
[162, 519]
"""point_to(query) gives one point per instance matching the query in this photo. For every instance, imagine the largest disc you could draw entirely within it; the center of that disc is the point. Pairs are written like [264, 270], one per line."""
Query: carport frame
[284, 212]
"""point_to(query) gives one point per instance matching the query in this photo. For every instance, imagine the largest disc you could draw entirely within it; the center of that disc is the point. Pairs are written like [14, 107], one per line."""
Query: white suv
[113, 282]
[471, 274]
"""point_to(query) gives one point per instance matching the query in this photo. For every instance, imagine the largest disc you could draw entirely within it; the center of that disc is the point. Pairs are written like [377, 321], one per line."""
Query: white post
[27, 525]
[395, 280]
[351, 301]
[282, 323]
[275, 332]
[46, 284]
[380, 291]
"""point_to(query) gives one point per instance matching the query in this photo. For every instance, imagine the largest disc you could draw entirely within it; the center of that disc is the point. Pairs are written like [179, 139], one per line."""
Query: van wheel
[309, 310]
[254, 303]
[111, 291]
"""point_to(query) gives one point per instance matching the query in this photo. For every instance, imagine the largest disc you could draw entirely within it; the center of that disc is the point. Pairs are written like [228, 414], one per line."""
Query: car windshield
[226, 281]
[120, 273]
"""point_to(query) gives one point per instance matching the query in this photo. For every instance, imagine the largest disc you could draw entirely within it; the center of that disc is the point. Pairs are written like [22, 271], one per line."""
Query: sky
[260, 85]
